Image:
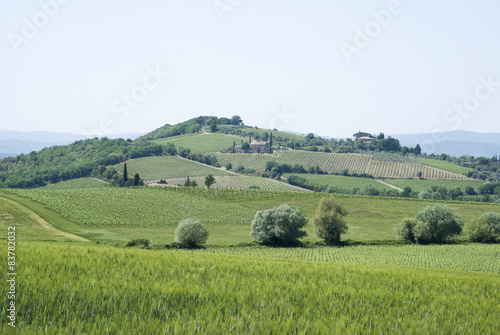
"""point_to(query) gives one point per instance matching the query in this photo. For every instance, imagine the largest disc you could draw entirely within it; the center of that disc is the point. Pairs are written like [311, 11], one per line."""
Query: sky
[328, 67]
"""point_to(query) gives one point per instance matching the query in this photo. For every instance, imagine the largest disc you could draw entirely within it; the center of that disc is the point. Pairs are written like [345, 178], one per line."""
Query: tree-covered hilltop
[80, 159]
[190, 126]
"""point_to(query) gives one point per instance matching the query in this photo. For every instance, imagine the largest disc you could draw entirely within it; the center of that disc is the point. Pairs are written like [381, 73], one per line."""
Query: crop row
[450, 257]
[139, 207]
[239, 182]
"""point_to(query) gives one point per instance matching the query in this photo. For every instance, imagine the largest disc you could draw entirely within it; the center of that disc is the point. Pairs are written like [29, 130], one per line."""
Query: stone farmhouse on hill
[259, 146]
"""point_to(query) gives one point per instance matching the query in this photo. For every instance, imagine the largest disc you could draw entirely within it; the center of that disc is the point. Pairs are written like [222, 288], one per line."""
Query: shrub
[145, 243]
[190, 234]
[493, 220]
[329, 220]
[436, 224]
[479, 230]
[405, 229]
[280, 225]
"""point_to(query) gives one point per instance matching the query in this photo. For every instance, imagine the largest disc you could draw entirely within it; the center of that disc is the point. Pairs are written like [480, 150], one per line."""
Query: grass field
[77, 183]
[420, 185]
[115, 215]
[201, 143]
[335, 163]
[150, 168]
[440, 164]
[342, 182]
[68, 288]
[282, 134]
[239, 182]
[449, 257]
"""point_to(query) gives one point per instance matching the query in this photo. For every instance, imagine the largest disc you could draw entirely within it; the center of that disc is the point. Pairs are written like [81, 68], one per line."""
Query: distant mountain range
[454, 143]
[13, 143]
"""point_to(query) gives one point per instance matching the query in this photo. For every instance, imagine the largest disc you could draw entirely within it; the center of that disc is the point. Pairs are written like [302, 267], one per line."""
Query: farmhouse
[365, 139]
[259, 146]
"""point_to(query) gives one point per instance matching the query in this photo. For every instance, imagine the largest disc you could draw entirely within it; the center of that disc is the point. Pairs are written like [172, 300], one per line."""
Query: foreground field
[67, 288]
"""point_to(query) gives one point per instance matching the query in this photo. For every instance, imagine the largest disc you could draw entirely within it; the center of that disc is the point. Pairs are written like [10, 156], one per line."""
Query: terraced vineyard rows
[329, 162]
[150, 168]
[139, 207]
[334, 163]
[382, 169]
[243, 182]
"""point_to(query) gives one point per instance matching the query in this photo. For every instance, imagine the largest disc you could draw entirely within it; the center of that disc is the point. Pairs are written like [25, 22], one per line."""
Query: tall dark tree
[125, 174]
[271, 143]
[417, 151]
[267, 135]
[136, 179]
[234, 147]
[249, 139]
[213, 126]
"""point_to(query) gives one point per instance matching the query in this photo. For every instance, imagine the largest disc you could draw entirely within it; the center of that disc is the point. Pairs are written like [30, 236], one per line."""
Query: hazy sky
[327, 67]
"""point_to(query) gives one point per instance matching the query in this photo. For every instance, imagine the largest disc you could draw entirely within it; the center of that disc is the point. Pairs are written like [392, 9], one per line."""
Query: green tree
[209, 180]
[236, 120]
[271, 143]
[280, 225]
[329, 220]
[417, 150]
[213, 126]
[190, 234]
[419, 174]
[478, 230]
[436, 224]
[137, 179]
[405, 229]
[125, 174]
[245, 146]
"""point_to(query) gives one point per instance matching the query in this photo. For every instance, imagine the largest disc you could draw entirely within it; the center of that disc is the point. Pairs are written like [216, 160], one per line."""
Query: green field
[201, 143]
[420, 185]
[449, 257]
[440, 164]
[77, 183]
[103, 290]
[335, 163]
[150, 168]
[239, 182]
[342, 182]
[115, 215]
[281, 134]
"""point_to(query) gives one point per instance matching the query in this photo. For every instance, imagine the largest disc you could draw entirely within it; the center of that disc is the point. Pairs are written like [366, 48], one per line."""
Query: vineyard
[238, 182]
[77, 183]
[420, 185]
[92, 289]
[450, 257]
[162, 208]
[140, 207]
[201, 143]
[150, 168]
[335, 163]
[276, 134]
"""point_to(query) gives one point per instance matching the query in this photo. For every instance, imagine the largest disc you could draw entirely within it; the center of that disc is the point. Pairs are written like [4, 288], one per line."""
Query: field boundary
[37, 218]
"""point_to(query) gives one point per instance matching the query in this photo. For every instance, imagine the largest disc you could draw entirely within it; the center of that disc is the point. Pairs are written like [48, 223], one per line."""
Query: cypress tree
[271, 144]
[125, 174]
[136, 179]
